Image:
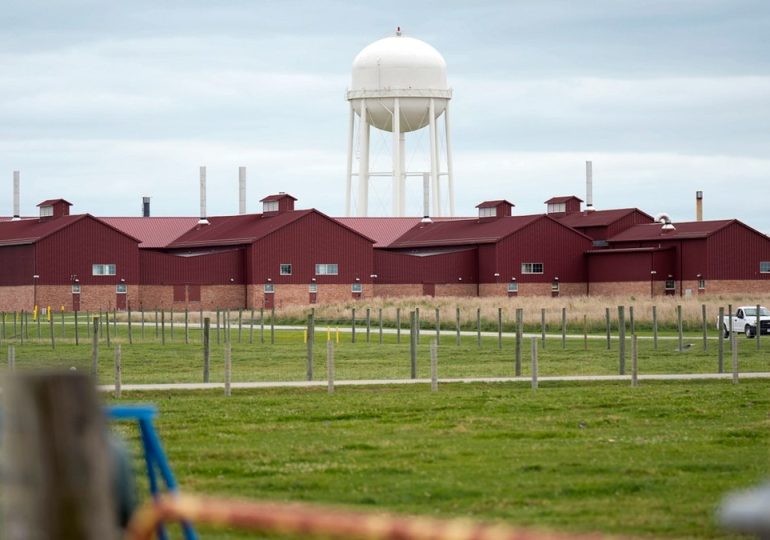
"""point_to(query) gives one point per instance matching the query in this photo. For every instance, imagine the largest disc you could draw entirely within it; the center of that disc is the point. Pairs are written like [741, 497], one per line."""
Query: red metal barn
[72, 261]
[515, 254]
[288, 256]
[603, 224]
[724, 256]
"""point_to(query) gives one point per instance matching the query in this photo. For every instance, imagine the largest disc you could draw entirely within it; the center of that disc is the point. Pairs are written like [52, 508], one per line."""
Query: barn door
[76, 301]
[269, 300]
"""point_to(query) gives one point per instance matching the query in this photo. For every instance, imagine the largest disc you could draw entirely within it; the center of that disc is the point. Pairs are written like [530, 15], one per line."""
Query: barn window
[531, 268]
[555, 286]
[357, 287]
[46, 211]
[76, 288]
[513, 287]
[670, 284]
[270, 206]
[326, 269]
[103, 269]
[701, 284]
[313, 287]
[121, 288]
[269, 288]
[285, 269]
[556, 208]
[764, 267]
[489, 211]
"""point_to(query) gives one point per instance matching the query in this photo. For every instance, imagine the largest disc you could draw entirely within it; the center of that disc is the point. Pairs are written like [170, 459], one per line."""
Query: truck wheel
[749, 331]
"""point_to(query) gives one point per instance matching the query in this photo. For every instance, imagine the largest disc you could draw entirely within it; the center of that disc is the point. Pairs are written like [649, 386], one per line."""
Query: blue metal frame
[154, 456]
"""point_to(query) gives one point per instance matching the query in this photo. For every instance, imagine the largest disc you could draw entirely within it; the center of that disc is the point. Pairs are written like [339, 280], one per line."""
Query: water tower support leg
[396, 158]
[402, 179]
[363, 171]
[349, 178]
[433, 158]
[450, 177]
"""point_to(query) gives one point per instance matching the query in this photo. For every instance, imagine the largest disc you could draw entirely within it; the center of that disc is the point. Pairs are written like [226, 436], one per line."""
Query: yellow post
[49, 313]
[34, 313]
[338, 335]
[304, 336]
[61, 309]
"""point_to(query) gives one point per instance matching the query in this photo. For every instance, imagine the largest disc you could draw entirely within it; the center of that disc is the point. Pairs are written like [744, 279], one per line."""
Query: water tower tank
[404, 67]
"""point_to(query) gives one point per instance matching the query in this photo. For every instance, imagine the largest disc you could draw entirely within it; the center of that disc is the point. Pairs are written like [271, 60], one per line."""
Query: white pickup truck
[745, 321]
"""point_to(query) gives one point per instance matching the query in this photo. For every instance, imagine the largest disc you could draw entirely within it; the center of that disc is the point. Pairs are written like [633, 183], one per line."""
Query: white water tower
[399, 85]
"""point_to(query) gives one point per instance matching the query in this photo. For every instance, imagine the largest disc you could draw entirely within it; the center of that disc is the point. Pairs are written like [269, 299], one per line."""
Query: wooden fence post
[759, 327]
[398, 325]
[730, 323]
[353, 325]
[95, 349]
[434, 367]
[56, 452]
[631, 324]
[721, 345]
[500, 329]
[457, 323]
[418, 323]
[655, 327]
[240, 323]
[413, 343]
[563, 328]
[680, 346]
[63, 334]
[705, 328]
[379, 315]
[542, 327]
[251, 327]
[622, 340]
[261, 325]
[130, 333]
[609, 327]
[438, 326]
[107, 326]
[533, 354]
[186, 326]
[228, 368]
[310, 342]
[217, 326]
[11, 358]
[368, 323]
[735, 357]
[171, 323]
[206, 348]
[585, 332]
[478, 326]
[519, 336]
[634, 362]
[50, 331]
[330, 366]
[272, 326]
[141, 315]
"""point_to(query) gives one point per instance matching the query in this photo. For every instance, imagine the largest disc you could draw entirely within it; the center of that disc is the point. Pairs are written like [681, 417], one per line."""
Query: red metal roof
[50, 202]
[277, 197]
[596, 218]
[382, 230]
[464, 232]
[29, 231]
[491, 204]
[236, 230]
[152, 232]
[684, 230]
[558, 200]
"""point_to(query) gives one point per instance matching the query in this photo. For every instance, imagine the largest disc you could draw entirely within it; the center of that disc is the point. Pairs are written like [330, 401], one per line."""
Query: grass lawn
[651, 461]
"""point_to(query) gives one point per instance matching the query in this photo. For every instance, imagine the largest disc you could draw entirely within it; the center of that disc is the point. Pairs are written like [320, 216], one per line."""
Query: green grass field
[648, 461]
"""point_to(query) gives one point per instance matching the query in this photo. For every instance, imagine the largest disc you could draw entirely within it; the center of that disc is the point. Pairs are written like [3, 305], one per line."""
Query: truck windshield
[752, 312]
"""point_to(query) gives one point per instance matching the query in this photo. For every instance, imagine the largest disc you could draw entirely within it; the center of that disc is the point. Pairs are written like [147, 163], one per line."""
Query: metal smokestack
[241, 190]
[16, 205]
[145, 207]
[203, 220]
[426, 198]
[589, 187]
[698, 206]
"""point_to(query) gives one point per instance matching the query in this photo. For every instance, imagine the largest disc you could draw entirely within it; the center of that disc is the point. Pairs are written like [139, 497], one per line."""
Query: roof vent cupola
[54, 208]
[278, 204]
[495, 209]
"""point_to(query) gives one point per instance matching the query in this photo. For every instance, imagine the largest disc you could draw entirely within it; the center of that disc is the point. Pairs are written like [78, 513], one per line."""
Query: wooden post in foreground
[609, 327]
[655, 327]
[721, 348]
[228, 368]
[310, 343]
[622, 340]
[533, 352]
[519, 336]
[735, 357]
[59, 481]
[413, 343]
[680, 342]
[634, 365]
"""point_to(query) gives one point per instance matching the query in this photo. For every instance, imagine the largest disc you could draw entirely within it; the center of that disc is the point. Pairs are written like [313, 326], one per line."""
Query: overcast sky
[103, 102]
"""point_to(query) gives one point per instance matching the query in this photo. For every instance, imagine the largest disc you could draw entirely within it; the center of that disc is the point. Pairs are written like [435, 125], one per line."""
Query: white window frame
[282, 267]
[269, 288]
[357, 288]
[513, 286]
[529, 268]
[557, 208]
[103, 269]
[270, 206]
[764, 267]
[488, 211]
[555, 286]
[327, 269]
[76, 288]
[701, 284]
[313, 288]
[46, 211]
[672, 281]
[121, 288]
